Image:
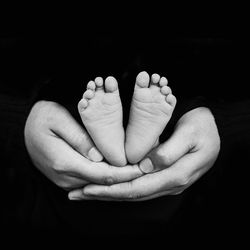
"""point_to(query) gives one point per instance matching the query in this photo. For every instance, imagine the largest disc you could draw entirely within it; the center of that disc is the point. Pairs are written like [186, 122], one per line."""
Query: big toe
[111, 84]
[142, 80]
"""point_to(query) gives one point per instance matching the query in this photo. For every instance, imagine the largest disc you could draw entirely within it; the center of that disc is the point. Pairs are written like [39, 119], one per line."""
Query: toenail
[143, 75]
[83, 104]
[99, 81]
[155, 78]
[110, 78]
[163, 81]
[91, 85]
[143, 79]
[110, 84]
[88, 94]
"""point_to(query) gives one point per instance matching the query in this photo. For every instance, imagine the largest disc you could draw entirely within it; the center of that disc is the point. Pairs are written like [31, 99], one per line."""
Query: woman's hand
[172, 167]
[62, 150]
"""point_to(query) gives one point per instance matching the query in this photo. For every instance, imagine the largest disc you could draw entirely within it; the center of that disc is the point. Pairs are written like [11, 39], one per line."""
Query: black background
[208, 63]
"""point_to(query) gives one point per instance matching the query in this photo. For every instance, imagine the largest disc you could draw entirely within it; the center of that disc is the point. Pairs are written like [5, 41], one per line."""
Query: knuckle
[194, 133]
[80, 141]
[134, 195]
[160, 153]
[168, 159]
[49, 111]
[108, 180]
[58, 166]
[164, 157]
[83, 138]
[182, 181]
[190, 131]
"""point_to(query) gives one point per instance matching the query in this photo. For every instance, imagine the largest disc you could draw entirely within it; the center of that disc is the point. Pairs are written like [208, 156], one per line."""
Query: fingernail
[94, 155]
[156, 143]
[73, 197]
[146, 166]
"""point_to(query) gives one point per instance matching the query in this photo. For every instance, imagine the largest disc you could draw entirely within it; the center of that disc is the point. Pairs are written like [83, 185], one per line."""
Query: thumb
[167, 153]
[76, 136]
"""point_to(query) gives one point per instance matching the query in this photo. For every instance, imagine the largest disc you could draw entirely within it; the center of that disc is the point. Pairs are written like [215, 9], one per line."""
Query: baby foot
[101, 112]
[151, 109]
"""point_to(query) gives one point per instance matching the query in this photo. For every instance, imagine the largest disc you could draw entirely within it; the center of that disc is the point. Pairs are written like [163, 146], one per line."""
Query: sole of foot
[151, 109]
[101, 112]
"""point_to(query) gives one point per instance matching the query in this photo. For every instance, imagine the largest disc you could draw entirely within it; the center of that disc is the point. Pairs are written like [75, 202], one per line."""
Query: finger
[167, 153]
[70, 182]
[173, 191]
[70, 162]
[81, 196]
[170, 181]
[139, 188]
[103, 173]
[77, 194]
[55, 153]
[76, 136]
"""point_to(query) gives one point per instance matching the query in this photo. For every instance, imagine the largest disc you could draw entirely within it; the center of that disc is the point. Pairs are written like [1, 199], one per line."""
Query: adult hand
[62, 150]
[189, 153]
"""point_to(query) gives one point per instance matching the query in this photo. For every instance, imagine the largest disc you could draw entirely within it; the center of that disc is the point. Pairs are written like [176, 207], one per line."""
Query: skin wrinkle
[63, 161]
[172, 180]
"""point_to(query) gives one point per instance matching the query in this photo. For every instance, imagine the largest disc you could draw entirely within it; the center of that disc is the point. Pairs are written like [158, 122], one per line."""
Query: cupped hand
[62, 150]
[171, 167]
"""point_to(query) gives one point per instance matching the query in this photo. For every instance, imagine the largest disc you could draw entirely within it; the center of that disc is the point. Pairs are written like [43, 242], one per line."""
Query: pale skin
[62, 150]
[101, 112]
[151, 109]
[176, 164]
[197, 128]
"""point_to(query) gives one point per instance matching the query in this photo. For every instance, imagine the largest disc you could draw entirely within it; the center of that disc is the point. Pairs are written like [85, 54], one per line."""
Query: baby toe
[165, 90]
[91, 85]
[88, 94]
[171, 100]
[82, 105]
[99, 82]
[163, 81]
[155, 78]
